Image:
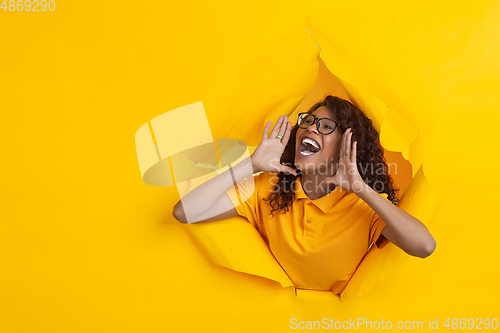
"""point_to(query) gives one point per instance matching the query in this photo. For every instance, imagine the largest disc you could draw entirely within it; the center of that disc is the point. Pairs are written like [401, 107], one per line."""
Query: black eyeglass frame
[337, 124]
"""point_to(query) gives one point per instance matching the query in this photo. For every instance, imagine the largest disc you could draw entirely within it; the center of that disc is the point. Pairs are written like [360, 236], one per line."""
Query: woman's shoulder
[359, 204]
[266, 178]
[263, 182]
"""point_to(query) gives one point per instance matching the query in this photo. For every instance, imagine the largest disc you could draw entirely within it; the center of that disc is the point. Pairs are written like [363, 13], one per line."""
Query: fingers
[289, 170]
[283, 128]
[264, 136]
[345, 146]
[348, 145]
[326, 181]
[287, 133]
[276, 127]
[354, 152]
[342, 145]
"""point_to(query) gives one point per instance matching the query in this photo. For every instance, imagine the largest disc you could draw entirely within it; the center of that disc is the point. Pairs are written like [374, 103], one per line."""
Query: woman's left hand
[347, 175]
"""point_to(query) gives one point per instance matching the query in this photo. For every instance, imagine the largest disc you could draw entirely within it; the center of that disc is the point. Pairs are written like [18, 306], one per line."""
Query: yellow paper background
[86, 245]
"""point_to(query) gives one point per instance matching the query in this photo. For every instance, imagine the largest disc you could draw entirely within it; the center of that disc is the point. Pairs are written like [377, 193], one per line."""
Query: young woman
[322, 197]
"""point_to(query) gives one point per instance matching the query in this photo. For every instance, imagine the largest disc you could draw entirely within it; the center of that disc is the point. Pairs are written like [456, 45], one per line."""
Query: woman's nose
[312, 128]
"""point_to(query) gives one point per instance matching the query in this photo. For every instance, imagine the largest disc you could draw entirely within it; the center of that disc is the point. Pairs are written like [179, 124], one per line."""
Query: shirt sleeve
[376, 227]
[244, 198]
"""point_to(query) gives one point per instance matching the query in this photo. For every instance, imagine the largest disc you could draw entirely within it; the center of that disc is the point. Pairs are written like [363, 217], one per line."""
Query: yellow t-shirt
[319, 243]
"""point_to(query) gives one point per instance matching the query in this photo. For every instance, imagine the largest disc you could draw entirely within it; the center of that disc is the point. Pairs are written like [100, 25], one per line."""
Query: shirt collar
[325, 203]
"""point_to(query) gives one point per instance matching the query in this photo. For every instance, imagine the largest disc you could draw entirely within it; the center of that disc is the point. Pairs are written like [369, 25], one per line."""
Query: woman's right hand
[267, 155]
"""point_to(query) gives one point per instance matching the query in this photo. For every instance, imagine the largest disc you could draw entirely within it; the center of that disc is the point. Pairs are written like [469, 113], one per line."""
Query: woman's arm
[404, 230]
[196, 204]
[209, 202]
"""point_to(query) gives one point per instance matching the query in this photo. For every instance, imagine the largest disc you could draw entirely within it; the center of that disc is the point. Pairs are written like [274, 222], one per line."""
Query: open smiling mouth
[308, 147]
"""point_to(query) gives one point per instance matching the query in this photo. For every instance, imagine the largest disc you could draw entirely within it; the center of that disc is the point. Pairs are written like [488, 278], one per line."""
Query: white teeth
[306, 153]
[311, 142]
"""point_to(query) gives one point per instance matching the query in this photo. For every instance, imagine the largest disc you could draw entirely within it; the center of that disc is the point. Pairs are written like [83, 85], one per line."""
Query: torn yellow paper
[237, 245]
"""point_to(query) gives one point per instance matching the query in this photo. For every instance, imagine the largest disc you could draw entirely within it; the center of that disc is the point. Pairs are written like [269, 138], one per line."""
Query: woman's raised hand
[267, 155]
[347, 175]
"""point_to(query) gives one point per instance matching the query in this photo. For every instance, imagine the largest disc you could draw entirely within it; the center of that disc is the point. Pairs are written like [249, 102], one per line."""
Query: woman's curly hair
[370, 154]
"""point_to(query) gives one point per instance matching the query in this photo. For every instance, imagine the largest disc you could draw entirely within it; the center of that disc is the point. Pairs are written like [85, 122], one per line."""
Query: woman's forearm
[203, 197]
[409, 233]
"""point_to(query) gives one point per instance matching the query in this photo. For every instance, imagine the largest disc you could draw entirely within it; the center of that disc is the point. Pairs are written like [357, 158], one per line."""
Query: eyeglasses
[324, 125]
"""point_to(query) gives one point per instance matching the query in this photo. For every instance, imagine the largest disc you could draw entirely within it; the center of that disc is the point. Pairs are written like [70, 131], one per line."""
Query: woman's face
[323, 161]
